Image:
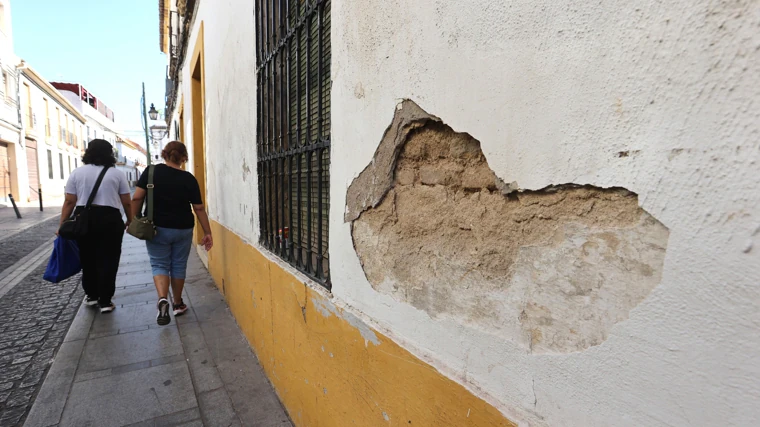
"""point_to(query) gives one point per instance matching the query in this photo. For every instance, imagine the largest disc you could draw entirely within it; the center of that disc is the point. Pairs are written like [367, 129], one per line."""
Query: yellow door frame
[197, 101]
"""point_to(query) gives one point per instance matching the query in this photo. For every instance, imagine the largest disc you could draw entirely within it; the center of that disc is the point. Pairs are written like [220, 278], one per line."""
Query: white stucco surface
[659, 98]
[230, 108]
[555, 91]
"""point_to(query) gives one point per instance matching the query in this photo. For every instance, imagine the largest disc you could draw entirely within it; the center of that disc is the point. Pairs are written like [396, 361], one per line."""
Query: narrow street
[62, 363]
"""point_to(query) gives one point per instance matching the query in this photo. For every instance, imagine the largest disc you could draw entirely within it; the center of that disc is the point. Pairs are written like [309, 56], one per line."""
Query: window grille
[293, 131]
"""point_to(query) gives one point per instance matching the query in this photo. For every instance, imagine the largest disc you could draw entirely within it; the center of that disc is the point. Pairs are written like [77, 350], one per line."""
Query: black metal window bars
[293, 131]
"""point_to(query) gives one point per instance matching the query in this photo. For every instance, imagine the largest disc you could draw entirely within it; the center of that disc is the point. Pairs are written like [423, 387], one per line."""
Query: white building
[482, 213]
[131, 159]
[53, 142]
[10, 125]
[101, 121]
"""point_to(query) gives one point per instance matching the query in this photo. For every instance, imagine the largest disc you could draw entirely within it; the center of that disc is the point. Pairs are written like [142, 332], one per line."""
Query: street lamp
[153, 113]
[158, 132]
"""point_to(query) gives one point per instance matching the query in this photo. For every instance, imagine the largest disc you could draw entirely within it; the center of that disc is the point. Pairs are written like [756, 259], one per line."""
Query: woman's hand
[207, 242]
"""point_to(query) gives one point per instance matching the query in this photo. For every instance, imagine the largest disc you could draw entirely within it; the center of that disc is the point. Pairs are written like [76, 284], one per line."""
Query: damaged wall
[657, 98]
[552, 269]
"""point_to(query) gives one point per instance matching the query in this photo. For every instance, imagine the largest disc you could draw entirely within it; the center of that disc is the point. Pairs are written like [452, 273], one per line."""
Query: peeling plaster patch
[327, 309]
[552, 269]
[359, 91]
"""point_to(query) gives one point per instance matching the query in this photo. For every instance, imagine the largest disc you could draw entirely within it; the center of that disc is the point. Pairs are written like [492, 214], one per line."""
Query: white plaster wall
[230, 108]
[554, 90]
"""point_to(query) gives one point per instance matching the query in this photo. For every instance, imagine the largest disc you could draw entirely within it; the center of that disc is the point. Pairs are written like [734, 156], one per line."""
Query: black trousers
[100, 253]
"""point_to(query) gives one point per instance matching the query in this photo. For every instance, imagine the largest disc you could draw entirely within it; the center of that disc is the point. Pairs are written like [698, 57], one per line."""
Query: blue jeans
[169, 251]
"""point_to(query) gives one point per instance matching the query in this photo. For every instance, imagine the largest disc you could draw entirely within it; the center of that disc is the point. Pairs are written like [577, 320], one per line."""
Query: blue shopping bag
[64, 262]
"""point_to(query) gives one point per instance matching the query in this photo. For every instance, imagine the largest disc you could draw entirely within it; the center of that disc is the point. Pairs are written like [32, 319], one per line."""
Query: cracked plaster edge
[369, 188]
[377, 177]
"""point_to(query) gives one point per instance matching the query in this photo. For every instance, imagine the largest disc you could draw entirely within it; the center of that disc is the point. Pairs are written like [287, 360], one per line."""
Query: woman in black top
[174, 192]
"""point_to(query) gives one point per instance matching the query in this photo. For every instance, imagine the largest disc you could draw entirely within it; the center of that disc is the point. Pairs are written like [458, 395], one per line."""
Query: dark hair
[100, 153]
[175, 152]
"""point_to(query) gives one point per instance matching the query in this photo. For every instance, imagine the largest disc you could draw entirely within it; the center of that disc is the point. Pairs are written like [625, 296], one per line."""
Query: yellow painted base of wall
[330, 369]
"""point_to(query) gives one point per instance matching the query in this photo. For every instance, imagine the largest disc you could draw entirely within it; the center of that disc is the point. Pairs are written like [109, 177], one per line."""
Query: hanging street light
[153, 113]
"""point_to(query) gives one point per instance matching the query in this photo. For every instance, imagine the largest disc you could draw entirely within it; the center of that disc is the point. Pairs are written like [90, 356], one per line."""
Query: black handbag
[76, 226]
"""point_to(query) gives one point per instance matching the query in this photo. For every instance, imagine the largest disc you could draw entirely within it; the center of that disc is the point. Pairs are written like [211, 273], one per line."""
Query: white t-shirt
[114, 184]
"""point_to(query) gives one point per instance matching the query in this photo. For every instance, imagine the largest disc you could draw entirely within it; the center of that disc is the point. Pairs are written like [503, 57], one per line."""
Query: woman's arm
[68, 207]
[126, 202]
[137, 201]
[200, 212]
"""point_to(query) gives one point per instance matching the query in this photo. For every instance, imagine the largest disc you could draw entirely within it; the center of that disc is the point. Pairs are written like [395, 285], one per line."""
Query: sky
[108, 46]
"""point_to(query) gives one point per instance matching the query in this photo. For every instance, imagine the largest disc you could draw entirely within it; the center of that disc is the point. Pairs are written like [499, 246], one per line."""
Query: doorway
[33, 167]
[5, 173]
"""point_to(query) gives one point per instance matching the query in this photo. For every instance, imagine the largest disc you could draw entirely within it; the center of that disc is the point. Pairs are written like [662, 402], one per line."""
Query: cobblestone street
[34, 318]
[15, 247]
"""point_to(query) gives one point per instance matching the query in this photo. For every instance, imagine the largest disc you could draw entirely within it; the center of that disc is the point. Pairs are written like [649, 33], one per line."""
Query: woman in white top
[100, 250]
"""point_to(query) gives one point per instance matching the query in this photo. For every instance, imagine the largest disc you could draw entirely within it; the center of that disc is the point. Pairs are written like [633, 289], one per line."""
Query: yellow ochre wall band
[329, 368]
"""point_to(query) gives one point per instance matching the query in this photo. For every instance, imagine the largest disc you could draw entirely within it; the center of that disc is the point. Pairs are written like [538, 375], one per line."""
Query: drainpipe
[21, 124]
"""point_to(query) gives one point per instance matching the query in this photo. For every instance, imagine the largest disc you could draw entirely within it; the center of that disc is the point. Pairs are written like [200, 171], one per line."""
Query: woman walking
[100, 248]
[174, 192]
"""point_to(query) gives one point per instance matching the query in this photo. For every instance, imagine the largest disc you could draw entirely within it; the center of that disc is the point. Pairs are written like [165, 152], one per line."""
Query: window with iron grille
[293, 131]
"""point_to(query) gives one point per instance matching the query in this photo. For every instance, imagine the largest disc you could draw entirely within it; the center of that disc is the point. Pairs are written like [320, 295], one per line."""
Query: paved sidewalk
[122, 368]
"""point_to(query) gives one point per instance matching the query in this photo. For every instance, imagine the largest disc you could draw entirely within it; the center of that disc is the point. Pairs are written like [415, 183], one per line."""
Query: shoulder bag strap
[151, 169]
[96, 187]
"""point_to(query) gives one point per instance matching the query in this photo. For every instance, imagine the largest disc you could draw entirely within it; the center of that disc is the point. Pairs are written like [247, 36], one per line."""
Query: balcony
[126, 161]
[9, 110]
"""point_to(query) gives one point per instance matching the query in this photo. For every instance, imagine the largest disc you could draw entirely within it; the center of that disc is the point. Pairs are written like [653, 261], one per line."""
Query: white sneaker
[89, 302]
[108, 308]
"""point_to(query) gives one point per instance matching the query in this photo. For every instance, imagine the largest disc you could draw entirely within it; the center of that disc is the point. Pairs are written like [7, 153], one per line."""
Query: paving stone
[142, 395]
[181, 418]
[20, 397]
[12, 416]
[216, 408]
[126, 349]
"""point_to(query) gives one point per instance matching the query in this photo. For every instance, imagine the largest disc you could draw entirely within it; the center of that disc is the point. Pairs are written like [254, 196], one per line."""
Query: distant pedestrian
[100, 248]
[175, 191]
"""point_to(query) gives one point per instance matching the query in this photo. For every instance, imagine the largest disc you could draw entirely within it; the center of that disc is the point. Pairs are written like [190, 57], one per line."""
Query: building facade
[131, 159]
[10, 124]
[53, 141]
[101, 120]
[481, 213]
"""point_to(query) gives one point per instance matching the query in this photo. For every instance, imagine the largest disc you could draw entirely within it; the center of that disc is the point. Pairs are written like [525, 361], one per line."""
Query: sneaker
[90, 301]
[107, 308]
[179, 309]
[163, 318]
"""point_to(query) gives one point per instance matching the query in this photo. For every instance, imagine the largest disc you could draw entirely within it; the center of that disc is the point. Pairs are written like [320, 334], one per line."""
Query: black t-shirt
[173, 192]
